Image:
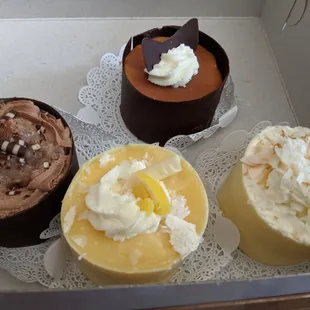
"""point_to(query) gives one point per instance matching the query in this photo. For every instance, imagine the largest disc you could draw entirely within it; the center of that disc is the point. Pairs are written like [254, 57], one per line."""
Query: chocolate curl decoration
[13, 148]
[188, 34]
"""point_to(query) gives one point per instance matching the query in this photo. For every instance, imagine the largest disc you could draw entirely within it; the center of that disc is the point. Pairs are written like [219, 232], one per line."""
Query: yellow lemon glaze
[147, 258]
[257, 239]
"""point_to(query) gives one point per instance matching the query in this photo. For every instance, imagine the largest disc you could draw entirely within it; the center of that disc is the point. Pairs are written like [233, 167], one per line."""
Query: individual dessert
[267, 195]
[37, 164]
[133, 213]
[172, 82]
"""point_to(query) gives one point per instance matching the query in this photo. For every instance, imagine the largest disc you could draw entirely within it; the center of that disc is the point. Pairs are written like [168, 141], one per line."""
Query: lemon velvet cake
[133, 213]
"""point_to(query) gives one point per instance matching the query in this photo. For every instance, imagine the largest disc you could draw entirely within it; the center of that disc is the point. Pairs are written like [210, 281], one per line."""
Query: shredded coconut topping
[183, 236]
[276, 170]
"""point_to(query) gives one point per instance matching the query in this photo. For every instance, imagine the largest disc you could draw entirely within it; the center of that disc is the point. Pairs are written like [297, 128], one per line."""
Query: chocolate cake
[155, 113]
[37, 164]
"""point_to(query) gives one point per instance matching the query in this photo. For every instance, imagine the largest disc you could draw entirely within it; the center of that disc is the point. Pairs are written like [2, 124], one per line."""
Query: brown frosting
[25, 181]
[207, 80]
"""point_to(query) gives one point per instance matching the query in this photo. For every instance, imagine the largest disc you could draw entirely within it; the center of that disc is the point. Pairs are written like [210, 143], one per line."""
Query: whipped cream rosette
[176, 67]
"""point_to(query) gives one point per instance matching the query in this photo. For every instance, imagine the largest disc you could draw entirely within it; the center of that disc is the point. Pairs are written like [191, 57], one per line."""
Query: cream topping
[113, 208]
[276, 174]
[176, 67]
[183, 236]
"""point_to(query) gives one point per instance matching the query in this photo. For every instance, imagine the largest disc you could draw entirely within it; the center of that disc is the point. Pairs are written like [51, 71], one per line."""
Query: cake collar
[188, 34]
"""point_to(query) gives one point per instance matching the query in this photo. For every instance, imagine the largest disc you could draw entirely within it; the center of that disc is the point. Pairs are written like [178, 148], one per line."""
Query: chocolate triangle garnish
[187, 34]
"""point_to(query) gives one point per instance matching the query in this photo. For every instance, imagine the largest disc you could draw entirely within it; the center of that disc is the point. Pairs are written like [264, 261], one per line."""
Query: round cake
[267, 195]
[37, 164]
[170, 85]
[133, 213]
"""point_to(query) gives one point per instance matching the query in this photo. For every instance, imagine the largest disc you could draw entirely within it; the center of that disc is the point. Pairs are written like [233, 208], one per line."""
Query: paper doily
[212, 261]
[102, 96]
[28, 264]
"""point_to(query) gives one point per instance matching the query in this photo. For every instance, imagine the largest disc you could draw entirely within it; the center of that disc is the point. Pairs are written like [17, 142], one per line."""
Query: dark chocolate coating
[25, 227]
[151, 120]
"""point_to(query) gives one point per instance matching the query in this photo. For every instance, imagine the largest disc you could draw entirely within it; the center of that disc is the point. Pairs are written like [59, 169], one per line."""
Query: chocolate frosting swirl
[24, 181]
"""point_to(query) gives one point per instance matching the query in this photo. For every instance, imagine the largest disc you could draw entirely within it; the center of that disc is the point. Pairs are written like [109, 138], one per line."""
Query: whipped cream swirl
[276, 169]
[113, 208]
[176, 67]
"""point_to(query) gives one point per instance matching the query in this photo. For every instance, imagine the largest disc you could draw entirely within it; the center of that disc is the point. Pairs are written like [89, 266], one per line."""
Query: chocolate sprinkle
[188, 34]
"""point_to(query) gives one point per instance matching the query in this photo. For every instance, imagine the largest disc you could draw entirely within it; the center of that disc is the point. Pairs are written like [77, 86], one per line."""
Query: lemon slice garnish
[165, 168]
[146, 205]
[156, 192]
[140, 191]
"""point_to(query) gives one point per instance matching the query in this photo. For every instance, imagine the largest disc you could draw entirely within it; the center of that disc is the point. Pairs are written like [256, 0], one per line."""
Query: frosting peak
[113, 208]
[176, 67]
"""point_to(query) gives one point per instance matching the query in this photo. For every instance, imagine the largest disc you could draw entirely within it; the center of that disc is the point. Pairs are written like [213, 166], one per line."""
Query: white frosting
[113, 208]
[276, 169]
[179, 207]
[176, 67]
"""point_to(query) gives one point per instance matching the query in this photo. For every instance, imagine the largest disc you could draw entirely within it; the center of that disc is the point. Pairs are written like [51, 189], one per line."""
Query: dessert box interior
[75, 65]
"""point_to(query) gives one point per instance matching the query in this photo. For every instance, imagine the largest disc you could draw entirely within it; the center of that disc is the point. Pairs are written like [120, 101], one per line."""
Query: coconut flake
[183, 236]
[69, 219]
[282, 194]
[179, 207]
[83, 215]
[82, 256]
[135, 256]
[105, 159]
[80, 240]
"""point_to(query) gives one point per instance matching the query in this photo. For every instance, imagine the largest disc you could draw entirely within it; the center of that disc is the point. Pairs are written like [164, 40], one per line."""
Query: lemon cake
[132, 214]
